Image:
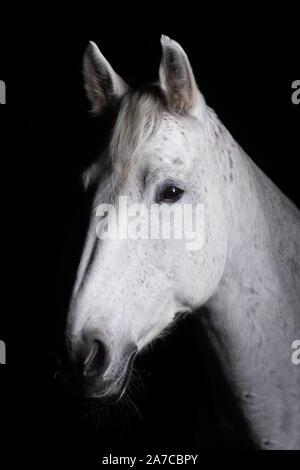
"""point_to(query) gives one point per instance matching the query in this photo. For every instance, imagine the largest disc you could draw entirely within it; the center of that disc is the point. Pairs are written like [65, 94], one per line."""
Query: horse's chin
[105, 400]
[107, 396]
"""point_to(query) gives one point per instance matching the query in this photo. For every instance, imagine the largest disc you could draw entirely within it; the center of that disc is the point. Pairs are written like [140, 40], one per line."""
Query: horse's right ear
[103, 85]
[177, 80]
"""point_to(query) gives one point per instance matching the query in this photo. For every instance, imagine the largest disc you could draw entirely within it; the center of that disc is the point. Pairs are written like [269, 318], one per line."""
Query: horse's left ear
[177, 80]
[103, 85]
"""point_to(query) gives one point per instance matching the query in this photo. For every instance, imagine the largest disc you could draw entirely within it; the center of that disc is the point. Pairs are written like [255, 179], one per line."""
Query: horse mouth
[114, 391]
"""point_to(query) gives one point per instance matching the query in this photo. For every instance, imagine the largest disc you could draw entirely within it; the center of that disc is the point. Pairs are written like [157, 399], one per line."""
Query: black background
[47, 138]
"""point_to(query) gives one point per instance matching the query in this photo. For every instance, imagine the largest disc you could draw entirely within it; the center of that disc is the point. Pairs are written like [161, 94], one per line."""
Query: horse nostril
[95, 359]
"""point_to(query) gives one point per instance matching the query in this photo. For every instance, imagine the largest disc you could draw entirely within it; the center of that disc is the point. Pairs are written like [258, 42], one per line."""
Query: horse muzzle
[99, 374]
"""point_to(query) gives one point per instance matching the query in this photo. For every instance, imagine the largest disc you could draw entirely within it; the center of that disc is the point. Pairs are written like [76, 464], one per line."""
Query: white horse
[168, 146]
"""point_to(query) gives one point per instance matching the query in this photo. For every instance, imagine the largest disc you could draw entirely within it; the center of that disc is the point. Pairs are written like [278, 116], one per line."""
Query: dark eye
[171, 193]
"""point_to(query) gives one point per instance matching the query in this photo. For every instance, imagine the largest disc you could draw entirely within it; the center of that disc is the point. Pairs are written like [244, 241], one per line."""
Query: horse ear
[103, 85]
[177, 79]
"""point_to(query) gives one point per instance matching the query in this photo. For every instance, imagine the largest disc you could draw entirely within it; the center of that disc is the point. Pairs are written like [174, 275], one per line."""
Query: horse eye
[171, 193]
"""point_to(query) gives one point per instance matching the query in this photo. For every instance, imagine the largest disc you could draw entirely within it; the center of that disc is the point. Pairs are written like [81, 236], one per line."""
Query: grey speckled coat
[243, 284]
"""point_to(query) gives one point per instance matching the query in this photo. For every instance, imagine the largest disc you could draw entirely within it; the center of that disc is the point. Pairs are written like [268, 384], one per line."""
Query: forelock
[139, 118]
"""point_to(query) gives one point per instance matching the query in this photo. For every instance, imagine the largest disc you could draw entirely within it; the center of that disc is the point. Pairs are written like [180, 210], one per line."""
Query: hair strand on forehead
[139, 118]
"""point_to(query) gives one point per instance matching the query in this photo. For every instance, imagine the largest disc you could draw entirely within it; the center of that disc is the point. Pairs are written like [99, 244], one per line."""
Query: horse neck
[253, 317]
